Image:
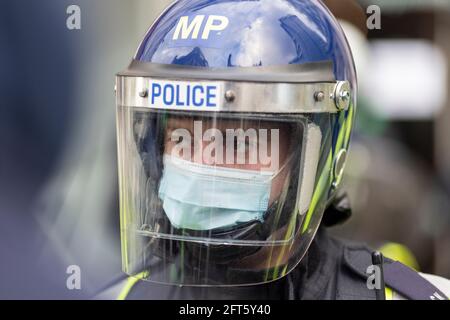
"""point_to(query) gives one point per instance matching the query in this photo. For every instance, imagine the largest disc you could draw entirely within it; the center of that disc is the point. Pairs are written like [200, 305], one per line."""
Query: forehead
[177, 122]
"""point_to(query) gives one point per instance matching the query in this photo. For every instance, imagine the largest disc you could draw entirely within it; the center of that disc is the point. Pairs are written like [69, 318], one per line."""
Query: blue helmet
[234, 121]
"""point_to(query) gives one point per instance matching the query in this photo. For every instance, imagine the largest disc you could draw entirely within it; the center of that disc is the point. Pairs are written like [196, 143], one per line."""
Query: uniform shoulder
[353, 260]
[441, 283]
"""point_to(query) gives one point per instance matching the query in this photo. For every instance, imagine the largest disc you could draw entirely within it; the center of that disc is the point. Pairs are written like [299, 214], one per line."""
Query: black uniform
[332, 269]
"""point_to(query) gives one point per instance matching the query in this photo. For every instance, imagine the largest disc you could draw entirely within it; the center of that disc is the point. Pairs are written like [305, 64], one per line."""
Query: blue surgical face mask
[200, 197]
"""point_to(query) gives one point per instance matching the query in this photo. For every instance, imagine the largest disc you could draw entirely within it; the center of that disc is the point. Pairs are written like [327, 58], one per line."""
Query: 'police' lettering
[211, 94]
[183, 95]
[197, 93]
[168, 95]
[156, 92]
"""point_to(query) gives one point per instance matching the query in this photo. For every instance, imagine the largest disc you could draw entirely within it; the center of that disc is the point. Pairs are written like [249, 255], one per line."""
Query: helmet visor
[208, 198]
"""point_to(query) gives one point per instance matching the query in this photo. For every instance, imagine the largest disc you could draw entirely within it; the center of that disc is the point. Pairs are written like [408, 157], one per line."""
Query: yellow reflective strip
[284, 272]
[290, 231]
[340, 140]
[123, 234]
[344, 134]
[279, 258]
[401, 253]
[131, 282]
[349, 125]
[389, 293]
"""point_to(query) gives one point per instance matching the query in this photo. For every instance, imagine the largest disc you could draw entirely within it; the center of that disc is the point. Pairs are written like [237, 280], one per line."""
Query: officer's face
[240, 144]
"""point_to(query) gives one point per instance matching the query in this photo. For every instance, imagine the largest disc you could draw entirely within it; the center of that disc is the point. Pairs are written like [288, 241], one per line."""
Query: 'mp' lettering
[183, 95]
[191, 28]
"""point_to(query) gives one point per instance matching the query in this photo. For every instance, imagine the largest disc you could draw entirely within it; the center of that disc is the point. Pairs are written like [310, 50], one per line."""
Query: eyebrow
[220, 124]
[179, 123]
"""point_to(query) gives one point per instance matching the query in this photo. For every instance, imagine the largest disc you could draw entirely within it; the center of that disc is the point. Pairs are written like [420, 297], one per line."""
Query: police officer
[234, 121]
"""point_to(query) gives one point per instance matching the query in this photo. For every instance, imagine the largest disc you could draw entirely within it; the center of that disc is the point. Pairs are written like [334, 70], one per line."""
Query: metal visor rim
[228, 96]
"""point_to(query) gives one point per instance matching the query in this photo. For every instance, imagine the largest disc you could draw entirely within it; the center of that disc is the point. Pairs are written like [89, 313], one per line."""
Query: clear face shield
[211, 197]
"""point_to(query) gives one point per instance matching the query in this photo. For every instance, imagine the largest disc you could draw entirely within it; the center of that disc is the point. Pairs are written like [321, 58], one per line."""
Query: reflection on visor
[213, 189]
[250, 145]
[201, 197]
[218, 173]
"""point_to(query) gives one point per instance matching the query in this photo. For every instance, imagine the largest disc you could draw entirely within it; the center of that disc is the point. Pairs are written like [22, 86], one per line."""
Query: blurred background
[58, 171]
